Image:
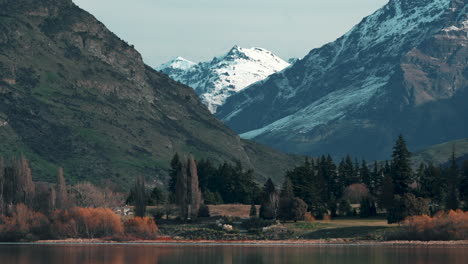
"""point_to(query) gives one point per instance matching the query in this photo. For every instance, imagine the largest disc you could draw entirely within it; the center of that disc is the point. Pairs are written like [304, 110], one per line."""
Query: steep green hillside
[73, 94]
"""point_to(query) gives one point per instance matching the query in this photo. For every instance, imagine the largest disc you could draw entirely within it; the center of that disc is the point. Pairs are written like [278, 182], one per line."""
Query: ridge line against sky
[198, 30]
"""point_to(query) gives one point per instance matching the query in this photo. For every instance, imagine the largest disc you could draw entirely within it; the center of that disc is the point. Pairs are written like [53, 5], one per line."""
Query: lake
[226, 254]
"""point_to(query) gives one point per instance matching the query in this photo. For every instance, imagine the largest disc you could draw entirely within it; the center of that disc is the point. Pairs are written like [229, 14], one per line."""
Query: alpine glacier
[216, 80]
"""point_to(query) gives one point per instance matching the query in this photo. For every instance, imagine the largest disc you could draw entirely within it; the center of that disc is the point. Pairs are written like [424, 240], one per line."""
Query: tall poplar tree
[139, 191]
[61, 191]
[188, 195]
[195, 195]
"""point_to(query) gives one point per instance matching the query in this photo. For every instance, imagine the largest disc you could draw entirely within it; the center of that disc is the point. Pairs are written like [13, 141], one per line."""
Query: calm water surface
[162, 254]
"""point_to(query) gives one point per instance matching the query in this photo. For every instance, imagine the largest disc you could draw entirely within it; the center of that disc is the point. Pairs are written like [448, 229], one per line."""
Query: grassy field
[352, 228]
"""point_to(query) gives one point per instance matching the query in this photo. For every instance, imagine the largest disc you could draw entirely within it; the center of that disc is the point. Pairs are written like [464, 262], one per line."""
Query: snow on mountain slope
[216, 80]
[400, 70]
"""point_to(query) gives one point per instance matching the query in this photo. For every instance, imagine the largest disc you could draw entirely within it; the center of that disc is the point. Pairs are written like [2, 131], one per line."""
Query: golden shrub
[141, 227]
[309, 218]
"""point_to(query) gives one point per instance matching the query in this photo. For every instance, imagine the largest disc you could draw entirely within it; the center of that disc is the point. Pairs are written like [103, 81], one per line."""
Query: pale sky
[198, 30]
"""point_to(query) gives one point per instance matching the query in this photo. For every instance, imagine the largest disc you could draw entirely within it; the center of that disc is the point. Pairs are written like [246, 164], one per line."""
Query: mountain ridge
[216, 80]
[385, 77]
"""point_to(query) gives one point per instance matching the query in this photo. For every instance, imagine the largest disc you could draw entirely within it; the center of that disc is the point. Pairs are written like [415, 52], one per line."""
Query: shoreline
[169, 242]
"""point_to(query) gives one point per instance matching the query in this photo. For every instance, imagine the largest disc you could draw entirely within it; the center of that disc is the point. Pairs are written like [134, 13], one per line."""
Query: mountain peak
[177, 63]
[216, 80]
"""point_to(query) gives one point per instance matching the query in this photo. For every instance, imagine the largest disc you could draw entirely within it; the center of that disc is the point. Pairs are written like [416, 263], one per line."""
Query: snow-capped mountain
[216, 80]
[402, 69]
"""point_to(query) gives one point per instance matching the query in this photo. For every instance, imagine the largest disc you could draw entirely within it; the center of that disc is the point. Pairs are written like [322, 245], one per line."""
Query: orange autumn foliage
[141, 227]
[452, 225]
[86, 223]
[309, 218]
[23, 224]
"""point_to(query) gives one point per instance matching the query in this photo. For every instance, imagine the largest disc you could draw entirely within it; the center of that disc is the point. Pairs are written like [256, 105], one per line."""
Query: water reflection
[154, 254]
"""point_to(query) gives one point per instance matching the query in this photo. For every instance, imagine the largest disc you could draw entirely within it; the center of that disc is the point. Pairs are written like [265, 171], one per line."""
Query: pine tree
[464, 184]
[139, 191]
[61, 191]
[366, 176]
[349, 172]
[376, 179]
[2, 186]
[387, 192]
[270, 201]
[253, 211]
[181, 190]
[287, 191]
[452, 201]
[174, 169]
[401, 167]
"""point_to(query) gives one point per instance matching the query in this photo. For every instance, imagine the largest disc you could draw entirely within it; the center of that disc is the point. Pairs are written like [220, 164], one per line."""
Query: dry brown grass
[233, 210]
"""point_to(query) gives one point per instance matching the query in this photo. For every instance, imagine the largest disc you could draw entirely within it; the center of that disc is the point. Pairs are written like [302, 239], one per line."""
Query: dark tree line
[17, 187]
[391, 187]
[225, 183]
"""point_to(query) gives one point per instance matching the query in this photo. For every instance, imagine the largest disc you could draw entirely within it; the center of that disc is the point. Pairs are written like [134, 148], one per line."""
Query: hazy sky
[201, 29]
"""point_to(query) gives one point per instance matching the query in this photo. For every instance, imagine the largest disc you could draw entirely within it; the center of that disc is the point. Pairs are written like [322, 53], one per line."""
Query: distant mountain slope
[402, 69]
[73, 94]
[215, 81]
[441, 153]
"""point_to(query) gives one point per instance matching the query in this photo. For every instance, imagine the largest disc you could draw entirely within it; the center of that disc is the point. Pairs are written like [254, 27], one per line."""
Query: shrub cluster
[81, 222]
[23, 225]
[452, 225]
[141, 227]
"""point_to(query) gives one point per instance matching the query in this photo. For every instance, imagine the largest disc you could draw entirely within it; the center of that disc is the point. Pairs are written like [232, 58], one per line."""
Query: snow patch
[333, 106]
[225, 75]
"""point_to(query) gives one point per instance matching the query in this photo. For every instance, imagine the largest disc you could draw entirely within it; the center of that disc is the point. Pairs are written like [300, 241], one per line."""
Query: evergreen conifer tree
[253, 211]
[2, 186]
[174, 169]
[401, 167]
[287, 191]
[464, 184]
[452, 201]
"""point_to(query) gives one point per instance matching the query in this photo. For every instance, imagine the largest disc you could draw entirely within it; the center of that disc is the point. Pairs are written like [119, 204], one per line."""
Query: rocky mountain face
[216, 80]
[402, 70]
[73, 94]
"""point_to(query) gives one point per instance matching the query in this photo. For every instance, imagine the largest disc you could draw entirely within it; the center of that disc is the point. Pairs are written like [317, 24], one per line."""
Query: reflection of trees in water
[152, 254]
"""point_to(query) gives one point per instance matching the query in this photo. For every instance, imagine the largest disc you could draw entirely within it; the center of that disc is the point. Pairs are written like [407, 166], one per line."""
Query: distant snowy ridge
[225, 75]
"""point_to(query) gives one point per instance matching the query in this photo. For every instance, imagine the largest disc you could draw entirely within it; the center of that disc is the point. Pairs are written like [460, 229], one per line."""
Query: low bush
[86, 223]
[309, 218]
[452, 225]
[23, 225]
[141, 227]
[204, 211]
